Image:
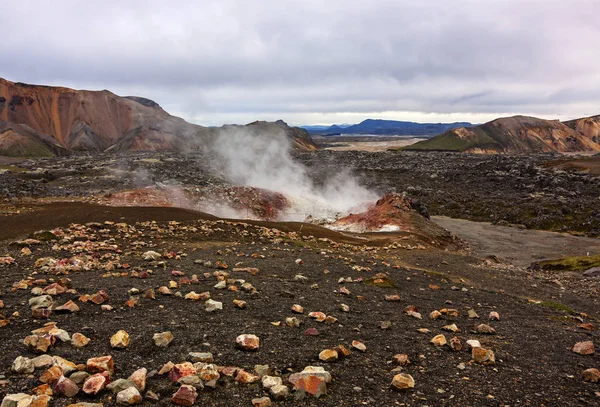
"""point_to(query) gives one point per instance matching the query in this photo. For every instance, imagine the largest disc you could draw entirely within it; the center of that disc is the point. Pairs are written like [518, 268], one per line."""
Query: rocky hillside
[60, 119]
[588, 126]
[518, 134]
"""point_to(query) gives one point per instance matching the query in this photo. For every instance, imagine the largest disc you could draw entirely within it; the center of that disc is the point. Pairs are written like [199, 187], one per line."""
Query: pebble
[403, 381]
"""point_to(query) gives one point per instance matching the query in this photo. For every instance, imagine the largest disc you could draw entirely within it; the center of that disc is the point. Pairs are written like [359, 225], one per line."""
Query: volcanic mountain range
[42, 121]
[519, 134]
[46, 121]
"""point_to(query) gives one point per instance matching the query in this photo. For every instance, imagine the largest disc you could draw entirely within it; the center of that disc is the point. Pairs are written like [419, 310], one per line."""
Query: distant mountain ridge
[37, 120]
[518, 134]
[386, 128]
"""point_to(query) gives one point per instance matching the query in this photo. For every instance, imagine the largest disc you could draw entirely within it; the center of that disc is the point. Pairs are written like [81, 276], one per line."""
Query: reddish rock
[591, 375]
[37, 343]
[101, 364]
[181, 370]
[139, 378]
[584, 348]
[246, 377]
[401, 359]
[69, 306]
[343, 351]
[311, 332]
[185, 396]
[95, 383]
[248, 342]
[313, 385]
[51, 375]
[41, 313]
[65, 387]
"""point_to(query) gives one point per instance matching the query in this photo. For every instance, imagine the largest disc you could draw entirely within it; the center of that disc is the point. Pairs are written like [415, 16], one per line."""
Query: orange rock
[101, 364]
[313, 385]
[51, 375]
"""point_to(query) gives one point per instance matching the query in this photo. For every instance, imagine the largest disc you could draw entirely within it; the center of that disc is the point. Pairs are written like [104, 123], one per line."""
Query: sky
[316, 62]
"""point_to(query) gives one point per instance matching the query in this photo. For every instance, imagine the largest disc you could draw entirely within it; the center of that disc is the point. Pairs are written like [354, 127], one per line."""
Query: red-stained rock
[185, 396]
[101, 364]
[180, 370]
[313, 385]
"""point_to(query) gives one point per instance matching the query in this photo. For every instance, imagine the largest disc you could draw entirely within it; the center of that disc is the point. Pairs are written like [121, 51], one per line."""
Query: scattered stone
[51, 375]
[69, 306]
[65, 387]
[311, 371]
[79, 340]
[17, 400]
[435, 314]
[401, 359]
[119, 385]
[79, 377]
[204, 357]
[403, 381]
[241, 304]
[129, 396]
[455, 344]
[474, 343]
[120, 340]
[245, 377]
[439, 340]
[23, 365]
[311, 384]
[270, 381]
[328, 355]
[358, 345]
[211, 305]
[485, 329]
[101, 364]
[472, 314]
[248, 342]
[185, 396]
[95, 383]
[483, 356]
[591, 375]
[298, 309]
[151, 256]
[37, 343]
[261, 402]
[451, 328]
[494, 316]
[138, 378]
[180, 370]
[584, 348]
[163, 339]
[279, 392]
[311, 332]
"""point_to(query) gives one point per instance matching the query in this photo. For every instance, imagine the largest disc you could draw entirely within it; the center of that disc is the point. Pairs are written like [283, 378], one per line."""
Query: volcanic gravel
[534, 362]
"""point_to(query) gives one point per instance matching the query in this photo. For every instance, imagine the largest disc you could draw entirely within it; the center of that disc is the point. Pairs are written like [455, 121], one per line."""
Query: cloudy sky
[316, 62]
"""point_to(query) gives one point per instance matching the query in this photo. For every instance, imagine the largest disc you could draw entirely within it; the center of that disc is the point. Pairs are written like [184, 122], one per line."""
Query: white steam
[263, 159]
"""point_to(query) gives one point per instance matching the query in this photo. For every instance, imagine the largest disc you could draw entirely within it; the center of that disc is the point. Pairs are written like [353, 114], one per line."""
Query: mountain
[588, 126]
[518, 134]
[18, 140]
[386, 127]
[59, 120]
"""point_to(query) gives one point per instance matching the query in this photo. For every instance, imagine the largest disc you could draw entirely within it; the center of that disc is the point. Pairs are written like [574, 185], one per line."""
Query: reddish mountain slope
[517, 134]
[100, 120]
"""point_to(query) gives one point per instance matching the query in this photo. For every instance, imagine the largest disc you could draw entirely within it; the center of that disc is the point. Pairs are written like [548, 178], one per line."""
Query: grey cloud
[302, 57]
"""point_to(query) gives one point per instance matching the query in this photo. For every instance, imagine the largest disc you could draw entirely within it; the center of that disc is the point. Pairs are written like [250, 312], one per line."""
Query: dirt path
[520, 247]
